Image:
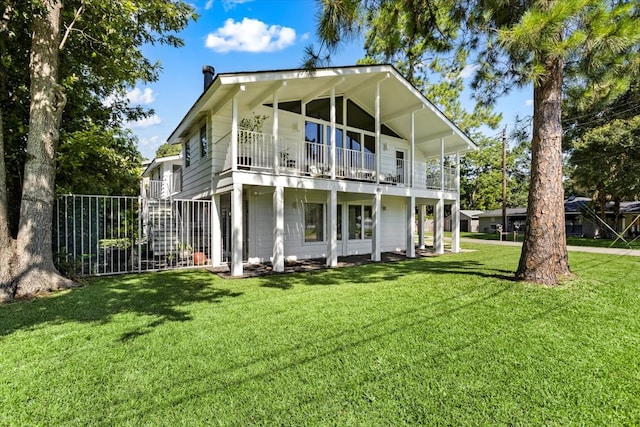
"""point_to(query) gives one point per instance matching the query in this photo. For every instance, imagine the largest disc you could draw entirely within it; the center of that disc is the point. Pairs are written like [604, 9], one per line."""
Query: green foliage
[481, 175]
[253, 123]
[392, 37]
[606, 161]
[100, 59]
[166, 150]
[434, 341]
[98, 161]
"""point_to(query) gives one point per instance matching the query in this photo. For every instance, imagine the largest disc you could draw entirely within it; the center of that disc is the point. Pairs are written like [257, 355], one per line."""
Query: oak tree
[91, 46]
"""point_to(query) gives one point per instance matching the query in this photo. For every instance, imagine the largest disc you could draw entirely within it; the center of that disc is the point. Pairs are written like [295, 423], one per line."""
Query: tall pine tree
[512, 43]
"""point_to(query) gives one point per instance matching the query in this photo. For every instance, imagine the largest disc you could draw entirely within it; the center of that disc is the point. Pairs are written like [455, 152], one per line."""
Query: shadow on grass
[159, 295]
[383, 272]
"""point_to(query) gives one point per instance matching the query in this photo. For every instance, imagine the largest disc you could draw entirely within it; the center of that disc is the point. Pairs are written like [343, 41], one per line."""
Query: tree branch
[76, 16]
[6, 17]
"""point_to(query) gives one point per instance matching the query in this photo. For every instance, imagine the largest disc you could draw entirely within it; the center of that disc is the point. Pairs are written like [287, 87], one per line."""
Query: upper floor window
[204, 143]
[187, 154]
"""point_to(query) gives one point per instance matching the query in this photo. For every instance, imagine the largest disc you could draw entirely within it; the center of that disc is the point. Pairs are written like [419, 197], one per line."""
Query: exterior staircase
[162, 233]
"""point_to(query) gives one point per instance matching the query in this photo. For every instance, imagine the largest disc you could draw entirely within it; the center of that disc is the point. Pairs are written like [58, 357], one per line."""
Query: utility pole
[504, 179]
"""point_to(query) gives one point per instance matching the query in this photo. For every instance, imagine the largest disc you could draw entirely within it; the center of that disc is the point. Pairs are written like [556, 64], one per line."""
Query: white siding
[196, 178]
[260, 224]
[221, 138]
[394, 224]
[294, 244]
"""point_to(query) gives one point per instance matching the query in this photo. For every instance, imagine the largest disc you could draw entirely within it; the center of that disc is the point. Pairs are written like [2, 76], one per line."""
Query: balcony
[256, 152]
[162, 189]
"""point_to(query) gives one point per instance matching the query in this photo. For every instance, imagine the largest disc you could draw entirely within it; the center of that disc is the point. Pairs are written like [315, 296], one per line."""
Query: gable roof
[159, 160]
[398, 99]
[472, 214]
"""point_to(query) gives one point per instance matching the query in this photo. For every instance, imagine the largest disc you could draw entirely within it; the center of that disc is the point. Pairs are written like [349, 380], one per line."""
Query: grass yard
[571, 240]
[447, 340]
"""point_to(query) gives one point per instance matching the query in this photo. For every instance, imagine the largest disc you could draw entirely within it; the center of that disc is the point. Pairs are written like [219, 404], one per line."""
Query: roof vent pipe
[209, 72]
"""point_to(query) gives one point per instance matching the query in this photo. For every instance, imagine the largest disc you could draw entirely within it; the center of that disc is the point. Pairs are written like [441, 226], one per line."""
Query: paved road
[591, 249]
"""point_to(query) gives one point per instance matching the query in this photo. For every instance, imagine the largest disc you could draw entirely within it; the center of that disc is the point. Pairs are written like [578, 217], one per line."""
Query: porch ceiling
[398, 99]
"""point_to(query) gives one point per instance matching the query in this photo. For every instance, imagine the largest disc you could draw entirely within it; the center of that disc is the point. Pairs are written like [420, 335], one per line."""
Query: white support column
[455, 211]
[412, 151]
[216, 232]
[332, 223]
[234, 134]
[438, 227]
[236, 229]
[411, 227]
[422, 211]
[378, 142]
[345, 229]
[276, 139]
[377, 227]
[278, 229]
[332, 137]
[343, 141]
[442, 164]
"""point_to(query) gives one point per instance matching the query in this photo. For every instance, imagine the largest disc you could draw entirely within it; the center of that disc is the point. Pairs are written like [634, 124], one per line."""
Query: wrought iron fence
[96, 235]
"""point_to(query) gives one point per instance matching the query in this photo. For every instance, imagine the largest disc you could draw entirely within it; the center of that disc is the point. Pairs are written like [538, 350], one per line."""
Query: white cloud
[230, 4]
[152, 141]
[146, 122]
[208, 5]
[137, 96]
[468, 70]
[250, 35]
[528, 102]
[305, 37]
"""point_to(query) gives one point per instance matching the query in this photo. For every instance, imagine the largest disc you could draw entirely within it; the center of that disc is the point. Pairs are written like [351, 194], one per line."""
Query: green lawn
[571, 240]
[447, 340]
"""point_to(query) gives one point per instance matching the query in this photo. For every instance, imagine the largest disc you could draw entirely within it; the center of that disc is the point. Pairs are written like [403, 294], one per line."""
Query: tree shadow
[162, 296]
[382, 272]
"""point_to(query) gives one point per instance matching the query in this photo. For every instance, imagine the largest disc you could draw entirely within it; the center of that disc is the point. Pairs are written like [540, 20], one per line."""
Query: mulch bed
[255, 270]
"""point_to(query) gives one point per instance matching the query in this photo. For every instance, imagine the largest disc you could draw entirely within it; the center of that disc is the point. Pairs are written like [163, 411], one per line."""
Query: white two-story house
[318, 164]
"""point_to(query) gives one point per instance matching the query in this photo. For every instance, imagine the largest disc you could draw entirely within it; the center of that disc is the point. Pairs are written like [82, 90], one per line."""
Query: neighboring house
[630, 221]
[162, 177]
[580, 218]
[469, 221]
[488, 221]
[336, 162]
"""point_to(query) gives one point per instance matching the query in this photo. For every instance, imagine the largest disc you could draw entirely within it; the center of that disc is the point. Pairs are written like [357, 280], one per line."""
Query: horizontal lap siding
[394, 224]
[196, 178]
[393, 231]
[261, 225]
[221, 138]
[294, 245]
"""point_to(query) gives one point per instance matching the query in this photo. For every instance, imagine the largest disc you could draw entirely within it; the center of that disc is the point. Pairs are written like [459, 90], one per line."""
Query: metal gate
[96, 235]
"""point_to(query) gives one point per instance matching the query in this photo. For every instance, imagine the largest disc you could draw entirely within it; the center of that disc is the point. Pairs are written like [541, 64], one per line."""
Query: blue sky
[243, 35]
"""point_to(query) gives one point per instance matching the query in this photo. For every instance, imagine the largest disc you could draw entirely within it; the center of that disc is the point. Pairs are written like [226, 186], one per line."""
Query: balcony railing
[162, 189]
[256, 151]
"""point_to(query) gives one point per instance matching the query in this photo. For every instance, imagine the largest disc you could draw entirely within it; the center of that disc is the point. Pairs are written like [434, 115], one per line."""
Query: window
[204, 143]
[313, 132]
[291, 106]
[321, 109]
[357, 117]
[313, 222]
[360, 222]
[187, 154]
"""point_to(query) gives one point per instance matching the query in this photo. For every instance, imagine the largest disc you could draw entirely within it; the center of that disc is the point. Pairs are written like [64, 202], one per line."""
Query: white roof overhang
[398, 101]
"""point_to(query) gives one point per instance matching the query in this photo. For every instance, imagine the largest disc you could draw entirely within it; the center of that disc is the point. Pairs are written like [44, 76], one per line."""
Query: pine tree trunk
[34, 271]
[544, 251]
